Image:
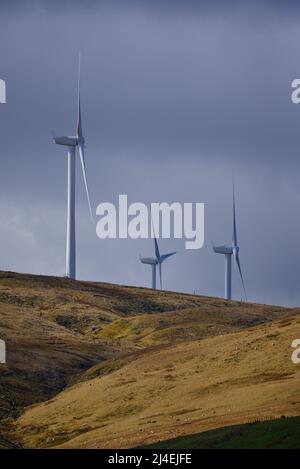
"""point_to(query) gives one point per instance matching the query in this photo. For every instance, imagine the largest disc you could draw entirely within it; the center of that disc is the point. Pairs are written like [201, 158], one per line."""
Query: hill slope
[109, 358]
[181, 389]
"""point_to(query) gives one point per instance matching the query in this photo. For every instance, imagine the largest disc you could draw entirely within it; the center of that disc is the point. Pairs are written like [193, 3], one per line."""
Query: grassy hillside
[107, 365]
[283, 433]
[168, 391]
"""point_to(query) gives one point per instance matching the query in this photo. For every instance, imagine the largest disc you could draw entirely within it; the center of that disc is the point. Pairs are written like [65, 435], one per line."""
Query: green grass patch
[119, 329]
[283, 433]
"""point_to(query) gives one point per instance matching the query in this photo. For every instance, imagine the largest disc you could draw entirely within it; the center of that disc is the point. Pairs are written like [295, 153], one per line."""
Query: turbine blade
[165, 256]
[234, 234]
[82, 159]
[237, 260]
[79, 123]
[156, 250]
[160, 279]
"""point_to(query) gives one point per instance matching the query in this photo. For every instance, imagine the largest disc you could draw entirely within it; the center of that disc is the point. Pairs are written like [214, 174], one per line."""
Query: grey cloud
[175, 100]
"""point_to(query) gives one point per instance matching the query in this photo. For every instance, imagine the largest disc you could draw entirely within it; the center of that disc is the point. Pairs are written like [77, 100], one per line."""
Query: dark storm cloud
[177, 96]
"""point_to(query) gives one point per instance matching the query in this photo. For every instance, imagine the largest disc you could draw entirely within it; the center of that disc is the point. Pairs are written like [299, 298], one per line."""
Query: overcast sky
[176, 97]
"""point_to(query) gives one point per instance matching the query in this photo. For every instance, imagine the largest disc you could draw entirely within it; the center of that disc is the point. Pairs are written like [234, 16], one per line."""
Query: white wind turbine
[73, 143]
[228, 251]
[154, 261]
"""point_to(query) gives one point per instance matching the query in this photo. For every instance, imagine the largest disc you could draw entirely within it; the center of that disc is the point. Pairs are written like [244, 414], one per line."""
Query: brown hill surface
[185, 388]
[106, 339]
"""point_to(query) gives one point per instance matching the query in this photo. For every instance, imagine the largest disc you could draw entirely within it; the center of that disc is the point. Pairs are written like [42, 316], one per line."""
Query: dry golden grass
[186, 388]
[119, 366]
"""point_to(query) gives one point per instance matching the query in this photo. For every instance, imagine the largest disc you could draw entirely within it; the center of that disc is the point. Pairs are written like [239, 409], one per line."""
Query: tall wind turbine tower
[154, 261]
[228, 252]
[74, 143]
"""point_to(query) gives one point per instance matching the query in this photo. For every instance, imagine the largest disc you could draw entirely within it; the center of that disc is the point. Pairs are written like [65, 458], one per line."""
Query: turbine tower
[74, 143]
[154, 261]
[228, 251]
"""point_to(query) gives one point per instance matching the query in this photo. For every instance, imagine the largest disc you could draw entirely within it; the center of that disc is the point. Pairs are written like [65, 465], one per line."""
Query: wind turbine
[73, 143]
[154, 261]
[228, 251]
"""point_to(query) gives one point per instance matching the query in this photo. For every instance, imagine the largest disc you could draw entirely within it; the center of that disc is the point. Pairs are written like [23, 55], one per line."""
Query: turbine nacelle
[223, 249]
[69, 141]
[149, 260]
[66, 141]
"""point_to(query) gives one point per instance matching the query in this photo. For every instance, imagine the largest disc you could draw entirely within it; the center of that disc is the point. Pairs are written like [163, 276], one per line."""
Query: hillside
[166, 392]
[120, 366]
